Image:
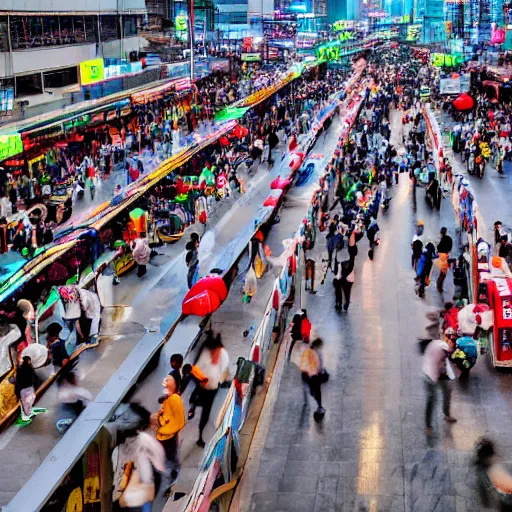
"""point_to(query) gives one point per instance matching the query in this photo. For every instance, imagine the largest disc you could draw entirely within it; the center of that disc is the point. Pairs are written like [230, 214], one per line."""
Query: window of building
[235, 18]
[4, 34]
[60, 78]
[26, 32]
[91, 28]
[79, 29]
[109, 28]
[130, 25]
[28, 84]
[51, 31]
[66, 30]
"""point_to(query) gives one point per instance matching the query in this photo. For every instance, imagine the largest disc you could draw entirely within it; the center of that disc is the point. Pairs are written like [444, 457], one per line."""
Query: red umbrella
[224, 141]
[280, 183]
[464, 102]
[271, 201]
[245, 131]
[205, 296]
[237, 132]
[296, 160]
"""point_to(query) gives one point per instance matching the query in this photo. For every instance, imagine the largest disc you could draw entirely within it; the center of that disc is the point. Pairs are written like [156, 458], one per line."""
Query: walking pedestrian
[343, 284]
[192, 261]
[444, 248]
[436, 374]
[170, 420]
[313, 375]
[417, 245]
[25, 389]
[141, 254]
[176, 364]
[214, 363]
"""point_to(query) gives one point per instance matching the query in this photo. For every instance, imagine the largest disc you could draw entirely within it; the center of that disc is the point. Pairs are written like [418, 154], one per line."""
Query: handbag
[323, 376]
[137, 493]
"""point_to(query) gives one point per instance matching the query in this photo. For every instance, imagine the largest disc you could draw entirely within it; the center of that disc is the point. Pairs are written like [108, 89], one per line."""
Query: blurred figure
[214, 364]
[444, 247]
[494, 481]
[73, 398]
[141, 254]
[25, 389]
[313, 375]
[435, 373]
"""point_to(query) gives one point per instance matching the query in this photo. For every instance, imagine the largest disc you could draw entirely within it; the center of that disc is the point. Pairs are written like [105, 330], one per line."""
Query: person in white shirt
[214, 363]
[5, 206]
[435, 373]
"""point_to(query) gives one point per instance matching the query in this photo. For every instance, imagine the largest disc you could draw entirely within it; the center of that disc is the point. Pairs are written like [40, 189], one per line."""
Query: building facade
[42, 42]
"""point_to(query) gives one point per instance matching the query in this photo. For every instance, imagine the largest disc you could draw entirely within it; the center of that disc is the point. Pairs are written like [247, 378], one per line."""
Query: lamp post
[190, 7]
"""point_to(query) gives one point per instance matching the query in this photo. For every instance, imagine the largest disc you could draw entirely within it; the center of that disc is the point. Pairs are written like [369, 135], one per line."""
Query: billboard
[454, 84]
[10, 145]
[91, 71]
[181, 25]
[251, 57]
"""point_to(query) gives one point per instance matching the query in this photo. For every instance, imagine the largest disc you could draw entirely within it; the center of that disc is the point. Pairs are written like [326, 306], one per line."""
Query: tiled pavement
[370, 454]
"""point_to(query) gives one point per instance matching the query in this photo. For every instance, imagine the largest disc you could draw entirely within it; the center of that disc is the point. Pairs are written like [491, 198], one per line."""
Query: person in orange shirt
[170, 420]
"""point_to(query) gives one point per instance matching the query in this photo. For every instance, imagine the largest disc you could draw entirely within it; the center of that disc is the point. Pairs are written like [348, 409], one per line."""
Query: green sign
[10, 145]
[343, 25]
[181, 24]
[346, 36]
[251, 57]
[444, 59]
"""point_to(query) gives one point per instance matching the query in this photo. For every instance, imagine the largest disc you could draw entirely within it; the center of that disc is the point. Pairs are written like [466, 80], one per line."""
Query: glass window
[130, 25]
[34, 30]
[26, 32]
[109, 28]
[79, 28]
[91, 28]
[51, 34]
[4, 34]
[66, 30]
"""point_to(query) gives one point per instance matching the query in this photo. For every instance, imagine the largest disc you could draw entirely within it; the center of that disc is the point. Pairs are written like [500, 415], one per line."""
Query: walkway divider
[225, 445]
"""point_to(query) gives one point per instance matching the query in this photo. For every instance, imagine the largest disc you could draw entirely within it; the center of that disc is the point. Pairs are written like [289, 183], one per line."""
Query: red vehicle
[499, 291]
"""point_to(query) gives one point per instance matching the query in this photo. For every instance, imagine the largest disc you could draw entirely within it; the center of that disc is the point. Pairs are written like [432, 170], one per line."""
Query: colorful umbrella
[205, 296]
[280, 183]
[271, 201]
[464, 102]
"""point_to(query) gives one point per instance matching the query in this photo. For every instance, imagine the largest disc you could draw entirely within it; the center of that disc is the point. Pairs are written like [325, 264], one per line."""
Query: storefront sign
[251, 57]
[413, 33]
[181, 24]
[449, 86]
[10, 145]
[125, 68]
[340, 25]
[91, 71]
[444, 59]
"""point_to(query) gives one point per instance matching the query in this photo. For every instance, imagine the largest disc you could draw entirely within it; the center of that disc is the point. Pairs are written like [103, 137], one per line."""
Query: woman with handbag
[313, 375]
[135, 462]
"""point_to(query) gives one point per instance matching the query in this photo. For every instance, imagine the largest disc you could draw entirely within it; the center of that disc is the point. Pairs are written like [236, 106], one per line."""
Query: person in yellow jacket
[170, 420]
